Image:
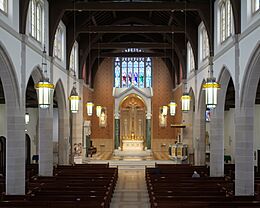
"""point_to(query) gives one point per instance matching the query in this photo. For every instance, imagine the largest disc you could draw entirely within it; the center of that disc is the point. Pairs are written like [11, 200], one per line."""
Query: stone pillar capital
[117, 115]
[148, 115]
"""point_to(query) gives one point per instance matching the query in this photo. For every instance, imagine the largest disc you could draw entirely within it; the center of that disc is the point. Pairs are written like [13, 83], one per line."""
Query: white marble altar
[133, 145]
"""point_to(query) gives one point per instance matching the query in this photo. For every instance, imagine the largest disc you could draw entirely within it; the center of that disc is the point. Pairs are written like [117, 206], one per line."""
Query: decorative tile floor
[131, 191]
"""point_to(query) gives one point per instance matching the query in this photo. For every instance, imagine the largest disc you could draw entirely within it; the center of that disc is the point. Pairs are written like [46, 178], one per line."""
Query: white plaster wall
[2, 120]
[12, 18]
[247, 17]
[33, 60]
[225, 59]
[60, 73]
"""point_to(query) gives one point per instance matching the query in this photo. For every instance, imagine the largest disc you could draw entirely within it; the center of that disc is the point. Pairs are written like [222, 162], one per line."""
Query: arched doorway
[132, 125]
[61, 123]
[199, 132]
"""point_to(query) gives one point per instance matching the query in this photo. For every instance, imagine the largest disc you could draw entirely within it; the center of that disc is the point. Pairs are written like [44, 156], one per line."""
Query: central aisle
[131, 191]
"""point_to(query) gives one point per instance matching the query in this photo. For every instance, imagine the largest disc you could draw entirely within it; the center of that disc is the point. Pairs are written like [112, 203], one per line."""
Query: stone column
[15, 141]
[64, 145]
[148, 130]
[217, 142]
[244, 132]
[244, 152]
[199, 137]
[117, 130]
[15, 152]
[46, 141]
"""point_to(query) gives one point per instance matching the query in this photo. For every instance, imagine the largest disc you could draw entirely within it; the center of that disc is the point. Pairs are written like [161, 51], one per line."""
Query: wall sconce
[172, 106]
[163, 116]
[98, 110]
[103, 117]
[89, 108]
[185, 102]
[165, 110]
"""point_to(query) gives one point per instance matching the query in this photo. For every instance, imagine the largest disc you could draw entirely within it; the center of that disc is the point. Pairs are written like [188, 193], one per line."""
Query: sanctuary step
[137, 153]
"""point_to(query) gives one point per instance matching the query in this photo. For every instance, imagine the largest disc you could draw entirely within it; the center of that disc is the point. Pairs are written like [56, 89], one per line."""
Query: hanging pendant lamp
[89, 108]
[74, 100]
[211, 88]
[172, 106]
[44, 88]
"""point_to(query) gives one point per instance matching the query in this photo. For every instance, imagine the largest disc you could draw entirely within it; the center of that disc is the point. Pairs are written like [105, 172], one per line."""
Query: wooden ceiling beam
[123, 45]
[137, 54]
[132, 29]
[129, 6]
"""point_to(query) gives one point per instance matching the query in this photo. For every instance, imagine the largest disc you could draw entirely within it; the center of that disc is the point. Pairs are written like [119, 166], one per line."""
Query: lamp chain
[44, 62]
[74, 33]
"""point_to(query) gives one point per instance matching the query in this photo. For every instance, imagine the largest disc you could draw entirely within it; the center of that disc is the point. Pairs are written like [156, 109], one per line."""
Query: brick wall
[162, 95]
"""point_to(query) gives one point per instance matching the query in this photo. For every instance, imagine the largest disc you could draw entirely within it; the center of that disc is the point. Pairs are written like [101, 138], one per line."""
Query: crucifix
[132, 105]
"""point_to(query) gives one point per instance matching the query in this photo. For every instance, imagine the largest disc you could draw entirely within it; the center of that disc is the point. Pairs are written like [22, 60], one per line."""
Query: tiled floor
[131, 190]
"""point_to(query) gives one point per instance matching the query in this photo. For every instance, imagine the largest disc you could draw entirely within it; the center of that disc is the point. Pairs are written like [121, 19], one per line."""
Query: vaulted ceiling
[105, 28]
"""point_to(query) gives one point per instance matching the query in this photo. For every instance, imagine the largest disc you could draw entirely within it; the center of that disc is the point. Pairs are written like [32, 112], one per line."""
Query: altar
[132, 145]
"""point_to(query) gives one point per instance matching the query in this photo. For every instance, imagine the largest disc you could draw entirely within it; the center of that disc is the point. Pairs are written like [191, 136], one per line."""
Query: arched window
[74, 58]
[225, 20]
[3, 6]
[135, 71]
[36, 17]
[204, 44]
[190, 58]
[256, 5]
[58, 43]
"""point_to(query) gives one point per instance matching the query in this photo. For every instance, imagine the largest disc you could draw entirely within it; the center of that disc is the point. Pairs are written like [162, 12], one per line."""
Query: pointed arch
[251, 78]
[63, 123]
[9, 78]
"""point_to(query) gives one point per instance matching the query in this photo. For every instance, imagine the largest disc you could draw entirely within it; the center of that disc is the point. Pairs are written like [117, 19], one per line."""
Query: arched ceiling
[105, 28]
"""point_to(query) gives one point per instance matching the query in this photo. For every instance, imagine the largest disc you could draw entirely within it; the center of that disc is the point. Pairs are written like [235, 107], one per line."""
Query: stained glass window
[117, 72]
[135, 71]
[130, 69]
[148, 72]
[124, 72]
[141, 73]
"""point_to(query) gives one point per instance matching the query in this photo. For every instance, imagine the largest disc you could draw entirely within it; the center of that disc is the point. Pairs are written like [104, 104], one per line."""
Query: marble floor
[130, 190]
